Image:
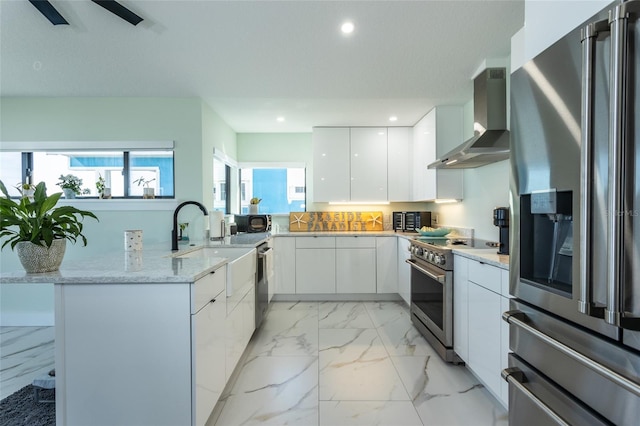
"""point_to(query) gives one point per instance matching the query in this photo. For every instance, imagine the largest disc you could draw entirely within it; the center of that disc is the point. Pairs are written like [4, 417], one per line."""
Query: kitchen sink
[230, 253]
[241, 269]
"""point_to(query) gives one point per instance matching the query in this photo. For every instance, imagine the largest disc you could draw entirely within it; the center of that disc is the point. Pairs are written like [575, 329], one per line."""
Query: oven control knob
[431, 256]
[443, 260]
[437, 260]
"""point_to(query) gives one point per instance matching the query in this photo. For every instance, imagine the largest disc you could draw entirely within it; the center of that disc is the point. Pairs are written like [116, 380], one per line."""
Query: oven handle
[439, 278]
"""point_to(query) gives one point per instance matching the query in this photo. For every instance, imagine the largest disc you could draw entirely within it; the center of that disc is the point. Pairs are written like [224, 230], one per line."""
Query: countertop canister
[133, 240]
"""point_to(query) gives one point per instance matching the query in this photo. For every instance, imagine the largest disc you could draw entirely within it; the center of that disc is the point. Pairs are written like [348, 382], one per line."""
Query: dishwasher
[264, 272]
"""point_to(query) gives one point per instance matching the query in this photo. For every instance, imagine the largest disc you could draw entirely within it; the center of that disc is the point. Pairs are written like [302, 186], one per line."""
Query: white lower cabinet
[315, 265]
[480, 336]
[209, 369]
[239, 326]
[144, 353]
[386, 264]
[284, 253]
[485, 309]
[461, 307]
[404, 270]
[355, 264]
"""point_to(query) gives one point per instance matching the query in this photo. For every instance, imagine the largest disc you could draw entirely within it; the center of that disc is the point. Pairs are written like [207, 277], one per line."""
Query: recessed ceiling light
[347, 27]
[393, 118]
[280, 119]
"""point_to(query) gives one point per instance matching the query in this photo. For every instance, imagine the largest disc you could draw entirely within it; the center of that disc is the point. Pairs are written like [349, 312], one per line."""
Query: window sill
[115, 204]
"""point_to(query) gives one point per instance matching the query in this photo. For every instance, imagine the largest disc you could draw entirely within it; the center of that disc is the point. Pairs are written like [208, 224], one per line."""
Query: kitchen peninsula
[132, 332]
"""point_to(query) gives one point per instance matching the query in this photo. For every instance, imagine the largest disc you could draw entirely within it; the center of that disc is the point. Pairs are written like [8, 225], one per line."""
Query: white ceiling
[252, 61]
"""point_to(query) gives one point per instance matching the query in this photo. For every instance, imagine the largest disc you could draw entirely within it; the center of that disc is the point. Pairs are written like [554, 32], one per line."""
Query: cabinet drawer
[485, 275]
[355, 242]
[505, 283]
[315, 242]
[207, 288]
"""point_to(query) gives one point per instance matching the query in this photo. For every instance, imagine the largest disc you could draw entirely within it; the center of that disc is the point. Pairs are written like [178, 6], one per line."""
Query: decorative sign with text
[335, 221]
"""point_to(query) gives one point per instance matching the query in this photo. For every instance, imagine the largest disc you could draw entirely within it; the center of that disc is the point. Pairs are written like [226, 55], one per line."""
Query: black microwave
[410, 221]
[253, 222]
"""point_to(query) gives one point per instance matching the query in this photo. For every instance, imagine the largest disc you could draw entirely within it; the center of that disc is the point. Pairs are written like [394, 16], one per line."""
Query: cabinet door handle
[212, 272]
[212, 301]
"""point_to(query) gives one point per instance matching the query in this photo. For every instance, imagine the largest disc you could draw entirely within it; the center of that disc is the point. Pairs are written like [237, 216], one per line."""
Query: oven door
[432, 299]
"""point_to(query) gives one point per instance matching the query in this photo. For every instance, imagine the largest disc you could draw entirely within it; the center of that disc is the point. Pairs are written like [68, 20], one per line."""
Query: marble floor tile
[355, 366]
[274, 391]
[344, 315]
[288, 333]
[26, 353]
[446, 394]
[368, 413]
[400, 337]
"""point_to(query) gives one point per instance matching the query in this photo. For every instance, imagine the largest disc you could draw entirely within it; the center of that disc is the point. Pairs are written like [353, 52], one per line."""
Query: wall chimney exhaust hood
[490, 142]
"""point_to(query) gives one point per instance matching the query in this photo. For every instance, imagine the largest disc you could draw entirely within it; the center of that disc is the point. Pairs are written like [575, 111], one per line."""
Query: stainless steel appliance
[410, 221]
[501, 220]
[432, 293]
[253, 222]
[490, 141]
[575, 239]
[263, 272]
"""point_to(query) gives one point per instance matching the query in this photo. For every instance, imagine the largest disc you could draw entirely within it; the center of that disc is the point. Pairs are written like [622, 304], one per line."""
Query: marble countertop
[489, 256]
[155, 264]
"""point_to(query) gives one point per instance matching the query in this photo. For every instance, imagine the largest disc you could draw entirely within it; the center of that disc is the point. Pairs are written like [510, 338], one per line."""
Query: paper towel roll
[216, 224]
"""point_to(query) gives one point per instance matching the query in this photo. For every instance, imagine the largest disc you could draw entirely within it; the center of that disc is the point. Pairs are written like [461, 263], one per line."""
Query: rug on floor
[20, 409]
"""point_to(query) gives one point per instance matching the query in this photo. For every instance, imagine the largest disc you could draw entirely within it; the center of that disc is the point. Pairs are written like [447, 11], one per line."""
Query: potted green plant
[71, 186]
[147, 191]
[26, 190]
[101, 185]
[253, 205]
[38, 230]
[183, 232]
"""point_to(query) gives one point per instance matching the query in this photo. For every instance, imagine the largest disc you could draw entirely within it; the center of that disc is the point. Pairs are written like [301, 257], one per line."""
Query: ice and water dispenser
[546, 239]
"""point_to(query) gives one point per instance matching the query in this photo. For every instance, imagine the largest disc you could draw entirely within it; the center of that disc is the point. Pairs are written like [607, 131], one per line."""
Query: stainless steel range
[432, 293]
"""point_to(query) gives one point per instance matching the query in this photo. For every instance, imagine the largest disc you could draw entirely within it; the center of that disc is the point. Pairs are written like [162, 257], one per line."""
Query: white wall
[545, 22]
[195, 129]
[485, 188]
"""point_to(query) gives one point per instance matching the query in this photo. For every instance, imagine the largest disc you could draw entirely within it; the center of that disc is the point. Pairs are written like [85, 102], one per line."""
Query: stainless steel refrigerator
[575, 254]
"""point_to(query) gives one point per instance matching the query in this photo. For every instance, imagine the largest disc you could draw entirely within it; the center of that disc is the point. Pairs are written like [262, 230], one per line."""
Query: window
[282, 189]
[11, 171]
[125, 171]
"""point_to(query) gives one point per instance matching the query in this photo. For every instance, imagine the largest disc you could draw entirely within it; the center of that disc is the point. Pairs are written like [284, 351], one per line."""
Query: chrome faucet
[174, 231]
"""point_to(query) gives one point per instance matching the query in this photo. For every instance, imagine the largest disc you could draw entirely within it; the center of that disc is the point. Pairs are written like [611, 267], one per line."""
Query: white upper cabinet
[362, 164]
[369, 164]
[399, 163]
[436, 133]
[331, 164]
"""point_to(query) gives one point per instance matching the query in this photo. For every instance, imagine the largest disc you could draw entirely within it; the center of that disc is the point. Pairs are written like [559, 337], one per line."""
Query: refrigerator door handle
[520, 319]
[619, 23]
[515, 377]
[589, 36]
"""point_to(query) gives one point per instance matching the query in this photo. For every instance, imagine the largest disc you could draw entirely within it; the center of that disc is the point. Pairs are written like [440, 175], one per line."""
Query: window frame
[27, 150]
[272, 165]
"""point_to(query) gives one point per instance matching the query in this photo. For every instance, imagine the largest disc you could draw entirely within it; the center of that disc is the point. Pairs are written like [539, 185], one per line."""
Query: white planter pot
[106, 193]
[37, 259]
[253, 209]
[68, 193]
[148, 193]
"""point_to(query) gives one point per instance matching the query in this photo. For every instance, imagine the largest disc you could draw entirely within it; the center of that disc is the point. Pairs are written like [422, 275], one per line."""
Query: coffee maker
[501, 220]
